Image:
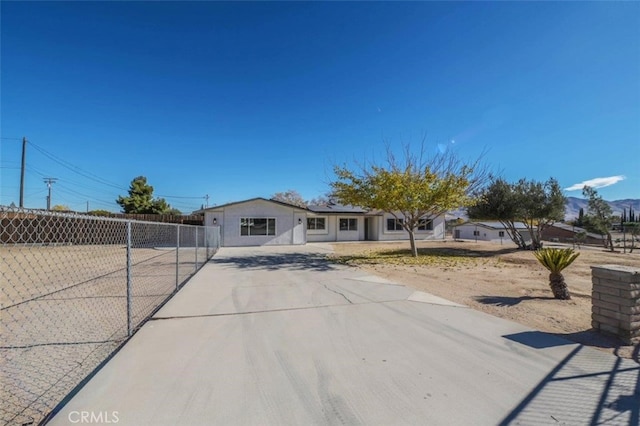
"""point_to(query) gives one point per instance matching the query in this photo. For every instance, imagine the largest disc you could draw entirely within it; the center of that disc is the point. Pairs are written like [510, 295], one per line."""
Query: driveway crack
[337, 292]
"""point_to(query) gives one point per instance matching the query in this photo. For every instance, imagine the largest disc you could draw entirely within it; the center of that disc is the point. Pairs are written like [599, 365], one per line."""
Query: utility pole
[49, 181]
[206, 203]
[24, 151]
[87, 207]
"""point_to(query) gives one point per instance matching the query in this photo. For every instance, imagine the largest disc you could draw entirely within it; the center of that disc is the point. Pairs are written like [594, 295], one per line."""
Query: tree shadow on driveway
[278, 261]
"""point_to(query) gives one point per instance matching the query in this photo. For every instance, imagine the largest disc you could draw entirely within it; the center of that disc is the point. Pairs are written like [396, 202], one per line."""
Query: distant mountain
[573, 206]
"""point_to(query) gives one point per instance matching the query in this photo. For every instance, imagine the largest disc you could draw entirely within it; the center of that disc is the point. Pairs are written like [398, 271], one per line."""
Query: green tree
[579, 222]
[536, 204]
[498, 201]
[140, 199]
[541, 204]
[60, 208]
[413, 190]
[174, 211]
[634, 229]
[556, 260]
[290, 197]
[600, 216]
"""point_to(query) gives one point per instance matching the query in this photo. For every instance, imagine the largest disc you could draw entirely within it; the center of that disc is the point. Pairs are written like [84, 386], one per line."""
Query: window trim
[275, 227]
[318, 231]
[426, 225]
[397, 222]
[349, 228]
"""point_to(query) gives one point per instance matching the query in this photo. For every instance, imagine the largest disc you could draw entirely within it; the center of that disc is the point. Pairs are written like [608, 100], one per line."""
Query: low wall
[616, 301]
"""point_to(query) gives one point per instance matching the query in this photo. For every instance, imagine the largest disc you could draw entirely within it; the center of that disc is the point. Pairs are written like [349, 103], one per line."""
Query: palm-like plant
[555, 260]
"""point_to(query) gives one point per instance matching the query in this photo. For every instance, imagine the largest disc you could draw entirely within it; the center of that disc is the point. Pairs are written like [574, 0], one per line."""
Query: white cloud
[600, 182]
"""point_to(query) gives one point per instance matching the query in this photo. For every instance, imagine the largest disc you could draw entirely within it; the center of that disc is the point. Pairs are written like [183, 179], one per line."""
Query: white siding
[485, 233]
[374, 231]
[357, 235]
[326, 236]
[290, 223]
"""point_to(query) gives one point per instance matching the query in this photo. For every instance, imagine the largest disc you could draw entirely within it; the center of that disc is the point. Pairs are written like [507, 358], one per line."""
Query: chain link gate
[74, 288]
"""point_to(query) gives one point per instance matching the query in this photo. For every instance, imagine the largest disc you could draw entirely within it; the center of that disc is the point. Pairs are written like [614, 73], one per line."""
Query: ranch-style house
[260, 221]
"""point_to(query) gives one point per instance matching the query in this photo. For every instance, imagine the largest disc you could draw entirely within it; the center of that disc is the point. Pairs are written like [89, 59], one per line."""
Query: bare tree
[290, 196]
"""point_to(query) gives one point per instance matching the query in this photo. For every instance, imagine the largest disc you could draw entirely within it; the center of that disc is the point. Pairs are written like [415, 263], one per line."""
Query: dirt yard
[497, 279]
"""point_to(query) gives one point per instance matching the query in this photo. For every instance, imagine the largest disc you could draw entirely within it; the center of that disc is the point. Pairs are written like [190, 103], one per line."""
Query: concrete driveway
[279, 336]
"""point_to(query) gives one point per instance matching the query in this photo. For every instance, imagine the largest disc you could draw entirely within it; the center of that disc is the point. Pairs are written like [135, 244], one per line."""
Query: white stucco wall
[290, 223]
[329, 234]
[383, 235]
[333, 232]
[357, 235]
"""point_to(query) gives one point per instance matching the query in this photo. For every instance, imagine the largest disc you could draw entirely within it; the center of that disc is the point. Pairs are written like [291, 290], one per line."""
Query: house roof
[575, 229]
[248, 201]
[494, 225]
[336, 208]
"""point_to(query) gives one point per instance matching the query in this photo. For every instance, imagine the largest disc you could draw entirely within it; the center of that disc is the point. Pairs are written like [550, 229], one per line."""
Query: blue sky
[238, 100]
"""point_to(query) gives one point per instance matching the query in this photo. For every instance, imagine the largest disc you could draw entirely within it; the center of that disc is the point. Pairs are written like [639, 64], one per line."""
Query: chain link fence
[74, 288]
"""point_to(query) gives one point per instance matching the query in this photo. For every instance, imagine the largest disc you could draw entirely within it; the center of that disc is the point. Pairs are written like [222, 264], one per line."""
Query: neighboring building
[259, 221]
[565, 233]
[488, 231]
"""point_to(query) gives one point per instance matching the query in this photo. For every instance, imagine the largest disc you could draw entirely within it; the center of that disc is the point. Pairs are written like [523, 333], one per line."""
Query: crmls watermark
[95, 417]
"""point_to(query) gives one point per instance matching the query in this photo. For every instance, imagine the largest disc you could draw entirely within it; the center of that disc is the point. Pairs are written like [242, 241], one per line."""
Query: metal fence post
[206, 243]
[129, 282]
[196, 249]
[177, 256]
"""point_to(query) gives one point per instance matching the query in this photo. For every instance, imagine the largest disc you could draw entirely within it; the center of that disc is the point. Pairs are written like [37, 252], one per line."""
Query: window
[425, 225]
[316, 223]
[348, 224]
[394, 224]
[476, 233]
[250, 226]
[500, 233]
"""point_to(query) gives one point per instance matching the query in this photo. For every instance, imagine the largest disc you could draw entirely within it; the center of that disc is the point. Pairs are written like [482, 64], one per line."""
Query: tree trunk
[558, 286]
[610, 241]
[513, 233]
[412, 240]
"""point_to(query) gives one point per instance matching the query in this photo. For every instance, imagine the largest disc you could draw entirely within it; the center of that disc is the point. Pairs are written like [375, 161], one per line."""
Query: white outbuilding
[488, 231]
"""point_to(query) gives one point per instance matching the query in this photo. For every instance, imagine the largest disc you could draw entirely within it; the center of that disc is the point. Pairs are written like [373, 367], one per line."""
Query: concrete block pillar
[616, 301]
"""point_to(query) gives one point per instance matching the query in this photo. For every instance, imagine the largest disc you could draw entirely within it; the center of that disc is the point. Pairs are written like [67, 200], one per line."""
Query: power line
[85, 196]
[91, 176]
[179, 196]
[75, 168]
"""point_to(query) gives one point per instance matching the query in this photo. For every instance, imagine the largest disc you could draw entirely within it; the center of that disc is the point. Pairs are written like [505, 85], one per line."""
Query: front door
[367, 223]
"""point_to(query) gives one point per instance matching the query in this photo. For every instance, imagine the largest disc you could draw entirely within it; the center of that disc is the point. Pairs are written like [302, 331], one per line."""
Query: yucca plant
[555, 260]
